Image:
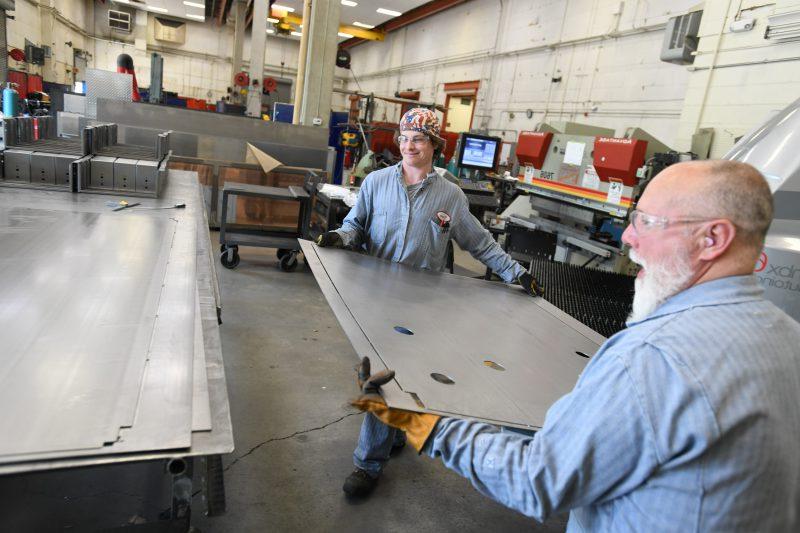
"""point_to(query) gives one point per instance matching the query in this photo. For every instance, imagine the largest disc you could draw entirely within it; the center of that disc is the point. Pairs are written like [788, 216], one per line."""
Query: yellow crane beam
[355, 31]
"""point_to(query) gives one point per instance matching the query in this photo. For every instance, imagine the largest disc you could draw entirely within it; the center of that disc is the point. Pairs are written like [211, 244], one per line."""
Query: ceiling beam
[409, 17]
[355, 31]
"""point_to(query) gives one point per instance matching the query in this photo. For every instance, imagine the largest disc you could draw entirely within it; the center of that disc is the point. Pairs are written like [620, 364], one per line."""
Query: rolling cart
[231, 236]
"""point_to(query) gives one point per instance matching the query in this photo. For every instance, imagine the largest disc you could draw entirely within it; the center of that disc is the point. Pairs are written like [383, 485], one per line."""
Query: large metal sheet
[459, 324]
[167, 386]
[181, 188]
[203, 122]
[78, 300]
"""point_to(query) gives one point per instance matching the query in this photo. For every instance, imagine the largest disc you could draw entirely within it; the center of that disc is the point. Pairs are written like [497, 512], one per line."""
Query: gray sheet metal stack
[122, 364]
[34, 157]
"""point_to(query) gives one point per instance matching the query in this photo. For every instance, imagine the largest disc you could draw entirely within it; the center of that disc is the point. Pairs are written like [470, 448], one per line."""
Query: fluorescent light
[349, 3]
[362, 25]
[345, 35]
[196, 17]
[270, 31]
[387, 12]
[283, 8]
[194, 4]
[297, 34]
[122, 1]
[157, 9]
[272, 20]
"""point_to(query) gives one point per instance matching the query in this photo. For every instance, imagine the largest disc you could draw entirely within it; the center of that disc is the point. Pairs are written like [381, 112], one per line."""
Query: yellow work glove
[417, 426]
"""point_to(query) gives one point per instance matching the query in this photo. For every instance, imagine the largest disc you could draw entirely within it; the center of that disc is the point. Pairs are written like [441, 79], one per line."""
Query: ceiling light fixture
[345, 35]
[362, 25]
[157, 9]
[194, 4]
[283, 8]
[270, 31]
[122, 1]
[349, 3]
[196, 17]
[297, 34]
[389, 12]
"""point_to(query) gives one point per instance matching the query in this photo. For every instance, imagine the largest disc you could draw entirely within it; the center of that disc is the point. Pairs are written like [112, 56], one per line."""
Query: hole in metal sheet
[441, 378]
[493, 365]
[417, 400]
[404, 331]
[582, 354]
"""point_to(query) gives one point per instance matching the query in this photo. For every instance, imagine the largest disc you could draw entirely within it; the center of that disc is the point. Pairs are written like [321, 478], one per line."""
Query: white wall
[199, 68]
[752, 77]
[607, 54]
[43, 23]
[605, 51]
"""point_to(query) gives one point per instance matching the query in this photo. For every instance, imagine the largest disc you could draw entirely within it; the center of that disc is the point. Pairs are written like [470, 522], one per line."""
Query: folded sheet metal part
[510, 356]
[95, 162]
[109, 320]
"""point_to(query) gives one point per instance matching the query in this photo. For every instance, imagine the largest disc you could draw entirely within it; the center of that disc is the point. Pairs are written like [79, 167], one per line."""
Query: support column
[238, 38]
[47, 24]
[258, 44]
[315, 108]
[3, 46]
[300, 79]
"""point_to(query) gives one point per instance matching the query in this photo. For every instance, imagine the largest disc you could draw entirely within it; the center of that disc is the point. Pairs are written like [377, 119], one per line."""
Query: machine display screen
[479, 152]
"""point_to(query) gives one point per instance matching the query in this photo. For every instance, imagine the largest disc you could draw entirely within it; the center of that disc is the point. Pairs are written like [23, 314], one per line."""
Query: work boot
[359, 483]
[397, 447]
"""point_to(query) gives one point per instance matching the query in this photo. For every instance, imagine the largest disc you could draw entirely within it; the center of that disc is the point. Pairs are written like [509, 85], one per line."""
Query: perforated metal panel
[106, 85]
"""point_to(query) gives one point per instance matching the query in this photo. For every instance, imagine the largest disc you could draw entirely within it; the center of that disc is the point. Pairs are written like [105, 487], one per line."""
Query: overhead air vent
[171, 31]
[784, 27]
[119, 21]
[680, 38]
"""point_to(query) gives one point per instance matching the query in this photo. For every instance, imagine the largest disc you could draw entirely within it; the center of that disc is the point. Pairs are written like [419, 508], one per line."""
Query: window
[119, 21]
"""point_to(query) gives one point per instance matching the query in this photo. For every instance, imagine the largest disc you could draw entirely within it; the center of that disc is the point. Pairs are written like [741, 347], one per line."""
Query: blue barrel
[9, 101]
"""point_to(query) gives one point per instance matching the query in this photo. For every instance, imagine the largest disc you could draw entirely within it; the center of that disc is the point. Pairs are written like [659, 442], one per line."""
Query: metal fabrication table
[111, 348]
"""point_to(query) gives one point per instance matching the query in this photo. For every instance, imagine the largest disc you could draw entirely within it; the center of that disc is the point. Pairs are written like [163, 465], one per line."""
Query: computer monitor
[479, 152]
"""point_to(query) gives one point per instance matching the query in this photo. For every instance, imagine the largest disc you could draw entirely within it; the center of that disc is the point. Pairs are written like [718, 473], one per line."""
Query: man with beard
[687, 420]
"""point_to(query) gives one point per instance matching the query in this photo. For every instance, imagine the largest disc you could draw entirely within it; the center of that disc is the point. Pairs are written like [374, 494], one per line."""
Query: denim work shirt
[389, 225]
[686, 421]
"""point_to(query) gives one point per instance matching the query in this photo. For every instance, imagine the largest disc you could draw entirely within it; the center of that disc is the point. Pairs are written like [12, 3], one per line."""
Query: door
[459, 113]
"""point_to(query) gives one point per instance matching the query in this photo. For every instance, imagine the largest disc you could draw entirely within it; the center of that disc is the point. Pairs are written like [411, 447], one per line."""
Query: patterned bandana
[421, 120]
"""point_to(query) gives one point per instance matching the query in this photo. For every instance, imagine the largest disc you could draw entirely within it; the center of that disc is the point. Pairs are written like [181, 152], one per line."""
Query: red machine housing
[532, 148]
[619, 158]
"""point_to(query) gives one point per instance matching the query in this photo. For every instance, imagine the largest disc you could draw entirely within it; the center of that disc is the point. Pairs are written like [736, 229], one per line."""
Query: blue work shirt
[390, 225]
[688, 420]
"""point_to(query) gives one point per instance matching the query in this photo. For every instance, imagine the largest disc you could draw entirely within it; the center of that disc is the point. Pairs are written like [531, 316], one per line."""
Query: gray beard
[660, 282]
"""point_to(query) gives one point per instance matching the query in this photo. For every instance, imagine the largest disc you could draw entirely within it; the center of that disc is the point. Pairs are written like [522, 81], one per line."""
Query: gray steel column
[238, 38]
[4, 47]
[320, 63]
[258, 44]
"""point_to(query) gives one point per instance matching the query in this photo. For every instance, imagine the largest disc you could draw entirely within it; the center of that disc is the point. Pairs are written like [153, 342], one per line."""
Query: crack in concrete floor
[275, 439]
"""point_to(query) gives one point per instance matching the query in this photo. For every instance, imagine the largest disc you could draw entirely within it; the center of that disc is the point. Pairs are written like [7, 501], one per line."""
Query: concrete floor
[290, 374]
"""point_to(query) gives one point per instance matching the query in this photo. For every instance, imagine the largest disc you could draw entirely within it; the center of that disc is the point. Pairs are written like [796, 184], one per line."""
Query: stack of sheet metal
[110, 340]
[601, 300]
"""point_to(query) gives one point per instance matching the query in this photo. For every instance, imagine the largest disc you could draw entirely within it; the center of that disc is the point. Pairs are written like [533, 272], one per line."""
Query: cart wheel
[223, 247]
[288, 262]
[282, 252]
[231, 262]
